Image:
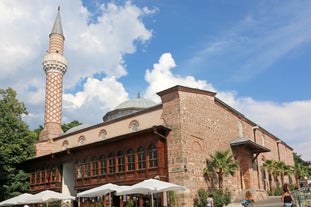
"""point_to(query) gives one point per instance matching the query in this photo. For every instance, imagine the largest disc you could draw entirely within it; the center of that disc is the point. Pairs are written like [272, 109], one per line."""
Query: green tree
[300, 171]
[65, 127]
[282, 169]
[270, 166]
[16, 144]
[299, 160]
[221, 164]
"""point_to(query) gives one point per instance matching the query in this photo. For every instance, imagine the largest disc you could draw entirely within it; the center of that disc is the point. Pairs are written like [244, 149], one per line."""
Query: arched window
[103, 134]
[134, 126]
[103, 165]
[262, 140]
[81, 140]
[130, 160]
[153, 155]
[112, 163]
[65, 144]
[120, 157]
[141, 158]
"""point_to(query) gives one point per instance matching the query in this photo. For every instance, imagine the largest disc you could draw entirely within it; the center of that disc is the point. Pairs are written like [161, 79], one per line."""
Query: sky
[254, 54]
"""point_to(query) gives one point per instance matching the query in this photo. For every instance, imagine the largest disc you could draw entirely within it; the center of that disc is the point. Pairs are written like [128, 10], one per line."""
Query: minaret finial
[58, 8]
[138, 95]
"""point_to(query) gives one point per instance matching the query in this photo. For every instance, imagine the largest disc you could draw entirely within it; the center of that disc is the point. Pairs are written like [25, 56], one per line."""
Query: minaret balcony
[55, 62]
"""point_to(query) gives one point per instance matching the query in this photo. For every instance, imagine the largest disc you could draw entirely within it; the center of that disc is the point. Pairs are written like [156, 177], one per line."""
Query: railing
[302, 197]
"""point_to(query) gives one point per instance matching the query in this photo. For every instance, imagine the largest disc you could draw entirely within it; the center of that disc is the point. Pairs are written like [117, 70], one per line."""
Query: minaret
[55, 66]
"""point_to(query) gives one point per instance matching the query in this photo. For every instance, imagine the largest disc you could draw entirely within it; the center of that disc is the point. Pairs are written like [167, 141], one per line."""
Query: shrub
[221, 198]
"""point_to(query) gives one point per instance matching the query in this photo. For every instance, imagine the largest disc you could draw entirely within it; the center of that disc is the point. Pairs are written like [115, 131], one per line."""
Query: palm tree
[300, 170]
[222, 164]
[282, 169]
[269, 165]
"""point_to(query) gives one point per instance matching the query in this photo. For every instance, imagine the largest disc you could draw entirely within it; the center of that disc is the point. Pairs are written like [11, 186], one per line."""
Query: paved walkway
[272, 201]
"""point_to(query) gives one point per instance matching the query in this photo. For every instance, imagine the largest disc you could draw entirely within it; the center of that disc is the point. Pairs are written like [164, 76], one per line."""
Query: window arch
[121, 166]
[65, 144]
[102, 134]
[81, 140]
[134, 126]
[141, 158]
[112, 163]
[130, 159]
[153, 155]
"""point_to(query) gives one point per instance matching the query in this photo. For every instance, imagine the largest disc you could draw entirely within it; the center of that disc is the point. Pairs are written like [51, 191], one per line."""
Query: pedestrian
[248, 201]
[210, 201]
[287, 198]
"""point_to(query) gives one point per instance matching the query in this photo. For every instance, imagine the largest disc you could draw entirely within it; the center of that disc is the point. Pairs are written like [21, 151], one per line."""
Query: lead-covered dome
[128, 107]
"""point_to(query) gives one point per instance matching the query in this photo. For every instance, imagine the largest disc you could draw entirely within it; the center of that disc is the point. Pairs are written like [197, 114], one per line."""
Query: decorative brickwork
[55, 66]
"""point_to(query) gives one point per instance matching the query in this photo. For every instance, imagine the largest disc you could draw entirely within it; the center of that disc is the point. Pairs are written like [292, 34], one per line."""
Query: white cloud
[96, 98]
[104, 91]
[289, 121]
[94, 47]
[161, 77]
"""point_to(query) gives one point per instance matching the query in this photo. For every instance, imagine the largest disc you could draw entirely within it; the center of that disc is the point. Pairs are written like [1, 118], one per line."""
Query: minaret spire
[55, 66]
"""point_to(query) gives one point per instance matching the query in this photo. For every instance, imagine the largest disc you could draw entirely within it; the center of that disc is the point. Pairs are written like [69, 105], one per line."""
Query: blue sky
[254, 54]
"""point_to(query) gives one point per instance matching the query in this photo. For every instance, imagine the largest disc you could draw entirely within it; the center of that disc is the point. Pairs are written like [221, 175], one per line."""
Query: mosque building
[140, 139]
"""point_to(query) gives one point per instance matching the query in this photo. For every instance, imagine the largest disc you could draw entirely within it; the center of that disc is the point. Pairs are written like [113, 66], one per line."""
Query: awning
[248, 144]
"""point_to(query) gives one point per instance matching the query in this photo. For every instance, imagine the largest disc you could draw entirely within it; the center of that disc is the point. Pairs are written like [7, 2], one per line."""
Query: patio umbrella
[15, 200]
[46, 197]
[101, 190]
[150, 186]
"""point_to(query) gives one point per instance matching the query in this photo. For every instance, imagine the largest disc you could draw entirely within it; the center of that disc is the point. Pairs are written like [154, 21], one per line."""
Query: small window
[141, 158]
[79, 169]
[94, 166]
[153, 156]
[65, 144]
[81, 140]
[130, 160]
[134, 126]
[112, 163]
[121, 167]
[103, 165]
[103, 134]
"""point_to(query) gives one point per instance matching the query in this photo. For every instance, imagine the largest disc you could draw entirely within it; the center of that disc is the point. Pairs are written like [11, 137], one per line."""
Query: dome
[128, 107]
[136, 103]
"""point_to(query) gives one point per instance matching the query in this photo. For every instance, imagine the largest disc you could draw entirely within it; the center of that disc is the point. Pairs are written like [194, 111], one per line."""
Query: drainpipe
[278, 146]
[258, 174]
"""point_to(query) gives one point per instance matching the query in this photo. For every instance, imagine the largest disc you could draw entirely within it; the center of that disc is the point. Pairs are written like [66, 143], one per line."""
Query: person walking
[210, 201]
[287, 198]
